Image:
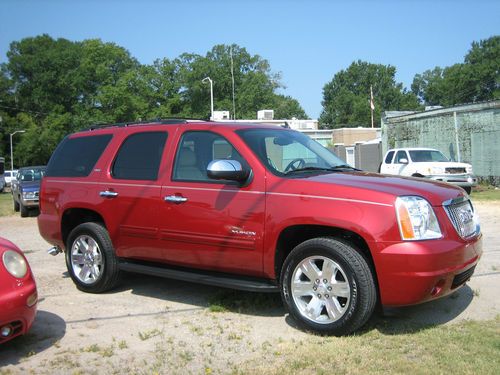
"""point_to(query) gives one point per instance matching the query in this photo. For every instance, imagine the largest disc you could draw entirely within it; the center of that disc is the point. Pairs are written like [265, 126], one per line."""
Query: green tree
[286, 107]
[476, 79]
[52, 87]
[346, 98]
[254, 82]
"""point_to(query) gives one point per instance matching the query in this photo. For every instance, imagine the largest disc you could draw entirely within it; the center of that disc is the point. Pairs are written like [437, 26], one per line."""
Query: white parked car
[428, 163]
[9, 176]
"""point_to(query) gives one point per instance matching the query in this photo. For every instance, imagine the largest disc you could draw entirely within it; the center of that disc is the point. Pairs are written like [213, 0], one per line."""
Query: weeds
[146, 335]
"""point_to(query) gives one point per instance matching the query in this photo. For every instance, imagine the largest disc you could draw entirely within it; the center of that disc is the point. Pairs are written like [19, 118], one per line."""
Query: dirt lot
[152, 325]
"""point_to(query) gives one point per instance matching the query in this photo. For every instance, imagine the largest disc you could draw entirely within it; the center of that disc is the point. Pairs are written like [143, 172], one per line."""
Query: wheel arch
[72, 217]
[293, 235]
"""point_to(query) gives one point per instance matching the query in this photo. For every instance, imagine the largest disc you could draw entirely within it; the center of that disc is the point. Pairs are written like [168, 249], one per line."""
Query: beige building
[351, 136]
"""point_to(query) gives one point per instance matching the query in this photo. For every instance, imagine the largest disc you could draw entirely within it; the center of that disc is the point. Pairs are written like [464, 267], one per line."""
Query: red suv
[254, 207]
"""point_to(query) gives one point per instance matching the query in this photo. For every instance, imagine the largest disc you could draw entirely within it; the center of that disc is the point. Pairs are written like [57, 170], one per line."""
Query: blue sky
[307, 41]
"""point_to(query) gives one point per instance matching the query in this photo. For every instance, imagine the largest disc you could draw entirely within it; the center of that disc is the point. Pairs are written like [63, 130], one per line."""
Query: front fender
[371, 221]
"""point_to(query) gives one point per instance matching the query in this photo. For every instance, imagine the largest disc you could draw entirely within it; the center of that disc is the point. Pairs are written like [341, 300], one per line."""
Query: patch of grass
[186, 356]
[122, 344]
[65, 361]
[243, 302]
[6, 205]
[485, 193]
[466, 348]
[107, 351]
[146, 335]
[94, 348]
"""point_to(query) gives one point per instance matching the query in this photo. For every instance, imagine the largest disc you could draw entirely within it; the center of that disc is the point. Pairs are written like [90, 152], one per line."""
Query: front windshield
[284, 152]
[421, 156]
[34, 174]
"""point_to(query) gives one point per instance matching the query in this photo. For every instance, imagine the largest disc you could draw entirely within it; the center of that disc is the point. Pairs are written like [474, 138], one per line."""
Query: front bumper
[462, 180]
[410, 273]
[30, 202]
[16, 314]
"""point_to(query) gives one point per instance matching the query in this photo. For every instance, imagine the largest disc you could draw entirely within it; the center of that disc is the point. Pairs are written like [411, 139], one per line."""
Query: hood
[375, 187]
[30, 185]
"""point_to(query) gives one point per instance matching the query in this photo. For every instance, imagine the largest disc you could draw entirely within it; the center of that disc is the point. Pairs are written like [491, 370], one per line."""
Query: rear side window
[139, 156]
[76, 157]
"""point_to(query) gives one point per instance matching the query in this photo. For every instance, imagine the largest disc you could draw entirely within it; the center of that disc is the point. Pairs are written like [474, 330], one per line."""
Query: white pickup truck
[428, 163]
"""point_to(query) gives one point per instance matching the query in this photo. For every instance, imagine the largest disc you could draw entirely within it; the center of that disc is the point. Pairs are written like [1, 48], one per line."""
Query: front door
[206, 223]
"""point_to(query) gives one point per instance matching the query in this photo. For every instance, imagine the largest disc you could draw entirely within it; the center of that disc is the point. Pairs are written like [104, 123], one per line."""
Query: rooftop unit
[265, 114]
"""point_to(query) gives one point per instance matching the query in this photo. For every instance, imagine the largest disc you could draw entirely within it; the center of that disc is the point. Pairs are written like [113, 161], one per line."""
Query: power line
[23, 110]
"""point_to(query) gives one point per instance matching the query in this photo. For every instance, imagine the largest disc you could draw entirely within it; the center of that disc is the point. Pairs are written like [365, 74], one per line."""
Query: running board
[202, 277]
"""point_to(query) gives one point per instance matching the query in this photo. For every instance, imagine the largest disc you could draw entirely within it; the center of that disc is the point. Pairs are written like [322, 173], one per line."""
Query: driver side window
[196, 150]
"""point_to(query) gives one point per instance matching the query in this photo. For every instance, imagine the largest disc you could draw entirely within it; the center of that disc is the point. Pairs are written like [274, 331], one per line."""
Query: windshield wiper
[331, 169]
[344, 166]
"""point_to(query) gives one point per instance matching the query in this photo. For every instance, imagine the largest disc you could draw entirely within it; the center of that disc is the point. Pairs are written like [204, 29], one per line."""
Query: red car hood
[374, 187]
[6, 244]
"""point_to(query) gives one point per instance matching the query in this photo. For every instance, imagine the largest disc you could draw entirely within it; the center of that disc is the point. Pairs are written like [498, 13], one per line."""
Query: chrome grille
[461, 214]
[455, 170]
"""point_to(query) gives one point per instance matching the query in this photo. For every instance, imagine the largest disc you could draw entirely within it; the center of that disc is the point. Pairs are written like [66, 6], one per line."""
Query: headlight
[29, 195]
[15, 264]
[416, 219]
[436, 170]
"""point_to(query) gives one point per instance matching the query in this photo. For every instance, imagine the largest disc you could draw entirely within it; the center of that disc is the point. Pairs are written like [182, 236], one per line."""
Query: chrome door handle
[108, 194]
[175, 199]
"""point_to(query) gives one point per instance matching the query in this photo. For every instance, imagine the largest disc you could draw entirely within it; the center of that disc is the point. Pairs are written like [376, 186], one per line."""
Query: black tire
[16, 205]
[108, 270]
[25, 212]
[353, 273]
[468, 189]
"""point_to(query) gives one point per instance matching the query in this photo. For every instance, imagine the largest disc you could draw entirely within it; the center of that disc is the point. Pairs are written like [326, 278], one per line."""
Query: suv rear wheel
[90, 258]
[328, 286]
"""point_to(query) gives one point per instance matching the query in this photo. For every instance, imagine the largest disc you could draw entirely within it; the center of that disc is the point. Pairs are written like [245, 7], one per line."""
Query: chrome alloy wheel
[86, 259]
[320, 290]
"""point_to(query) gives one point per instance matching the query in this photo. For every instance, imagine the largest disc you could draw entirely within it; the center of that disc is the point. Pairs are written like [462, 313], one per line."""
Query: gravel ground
[152, 325]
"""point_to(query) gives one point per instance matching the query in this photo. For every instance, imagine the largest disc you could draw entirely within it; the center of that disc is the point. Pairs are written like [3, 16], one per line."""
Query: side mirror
[403, 161]
[227, 170]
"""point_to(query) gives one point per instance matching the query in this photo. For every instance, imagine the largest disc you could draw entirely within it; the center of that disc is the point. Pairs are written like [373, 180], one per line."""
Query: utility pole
[232, 78]
[372, 105]
[12, 150]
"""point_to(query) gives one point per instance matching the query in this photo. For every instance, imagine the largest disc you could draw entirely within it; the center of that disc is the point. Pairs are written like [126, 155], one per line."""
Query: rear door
[130, 191]
[212, 224]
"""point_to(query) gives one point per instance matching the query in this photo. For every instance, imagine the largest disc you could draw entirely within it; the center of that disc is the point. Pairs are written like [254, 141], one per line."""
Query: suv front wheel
[328, 286]
[90, 258]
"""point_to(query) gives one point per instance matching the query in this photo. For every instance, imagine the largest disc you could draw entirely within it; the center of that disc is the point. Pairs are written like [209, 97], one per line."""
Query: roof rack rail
[162, 121]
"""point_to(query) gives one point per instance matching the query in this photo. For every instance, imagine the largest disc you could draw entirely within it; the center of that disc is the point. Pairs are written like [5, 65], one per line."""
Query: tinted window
[139, 156]
[76, 157]
[427, 156]
[196, 150]
[388, 158]
[400, 156]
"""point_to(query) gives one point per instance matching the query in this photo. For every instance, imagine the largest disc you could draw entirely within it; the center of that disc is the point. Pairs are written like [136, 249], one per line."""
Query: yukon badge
[240, 232]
